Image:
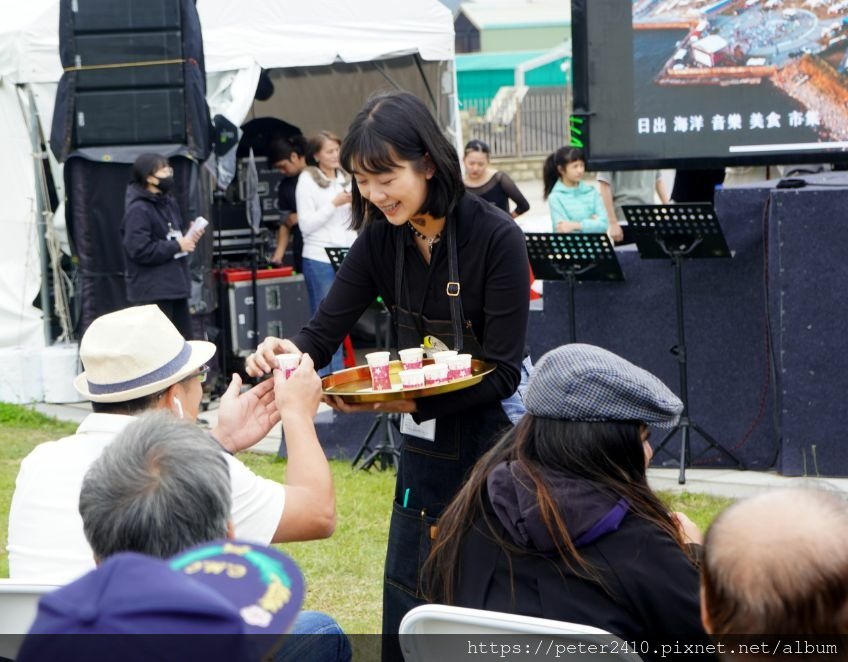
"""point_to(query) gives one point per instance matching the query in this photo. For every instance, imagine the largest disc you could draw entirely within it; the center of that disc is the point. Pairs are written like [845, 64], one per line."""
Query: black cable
[770, 370]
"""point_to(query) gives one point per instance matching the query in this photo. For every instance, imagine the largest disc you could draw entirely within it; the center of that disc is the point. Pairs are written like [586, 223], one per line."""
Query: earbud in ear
[179, 407]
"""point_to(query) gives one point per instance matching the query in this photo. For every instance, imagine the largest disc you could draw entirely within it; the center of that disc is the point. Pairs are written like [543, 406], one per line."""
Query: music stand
[680, 231]
[572, 257]
[385, 426]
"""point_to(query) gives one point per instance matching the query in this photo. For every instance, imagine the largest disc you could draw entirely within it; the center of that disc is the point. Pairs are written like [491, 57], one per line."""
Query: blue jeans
[317, 637]
[319, 277]
[513, 406]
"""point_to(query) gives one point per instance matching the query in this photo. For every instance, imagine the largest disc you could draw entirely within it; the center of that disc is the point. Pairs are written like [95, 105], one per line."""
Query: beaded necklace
[435, 239]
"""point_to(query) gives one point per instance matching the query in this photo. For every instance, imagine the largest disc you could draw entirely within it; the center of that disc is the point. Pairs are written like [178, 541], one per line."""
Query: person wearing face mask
[155, 246]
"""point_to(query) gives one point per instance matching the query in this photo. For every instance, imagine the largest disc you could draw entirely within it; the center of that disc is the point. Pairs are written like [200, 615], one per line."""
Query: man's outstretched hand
[245, 418]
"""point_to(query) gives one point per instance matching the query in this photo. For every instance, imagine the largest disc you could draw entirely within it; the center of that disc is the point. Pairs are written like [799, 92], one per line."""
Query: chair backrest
[544, 636]
[18, 607]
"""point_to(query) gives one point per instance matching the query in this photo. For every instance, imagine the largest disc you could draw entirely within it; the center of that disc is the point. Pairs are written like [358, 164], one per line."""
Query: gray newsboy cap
[586, 383]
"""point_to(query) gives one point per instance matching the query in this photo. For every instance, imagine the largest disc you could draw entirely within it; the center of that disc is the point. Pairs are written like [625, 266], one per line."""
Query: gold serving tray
[354, 384]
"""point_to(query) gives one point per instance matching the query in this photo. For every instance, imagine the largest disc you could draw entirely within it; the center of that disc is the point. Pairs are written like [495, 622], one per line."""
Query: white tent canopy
[239, 35]
[239, 39]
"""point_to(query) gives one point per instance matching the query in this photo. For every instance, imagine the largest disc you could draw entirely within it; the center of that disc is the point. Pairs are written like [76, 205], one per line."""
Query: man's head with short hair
[288, 154]
[161, 486]
[777, 563]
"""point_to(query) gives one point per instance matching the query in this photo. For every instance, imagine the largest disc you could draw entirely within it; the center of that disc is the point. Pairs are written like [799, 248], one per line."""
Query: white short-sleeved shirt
[46, 540]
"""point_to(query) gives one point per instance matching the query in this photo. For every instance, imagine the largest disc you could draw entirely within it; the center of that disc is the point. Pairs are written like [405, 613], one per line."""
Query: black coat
[152, 272]
[651, 585]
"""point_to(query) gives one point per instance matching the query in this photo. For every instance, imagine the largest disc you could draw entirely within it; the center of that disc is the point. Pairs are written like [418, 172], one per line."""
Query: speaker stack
[133, 82]
[133, 76]
[129, 73]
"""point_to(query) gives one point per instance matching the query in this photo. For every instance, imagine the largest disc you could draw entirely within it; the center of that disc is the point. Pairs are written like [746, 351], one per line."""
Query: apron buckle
[452, 289]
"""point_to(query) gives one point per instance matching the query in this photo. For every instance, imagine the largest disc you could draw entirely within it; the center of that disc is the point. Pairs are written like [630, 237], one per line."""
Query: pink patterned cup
[445, 356]
[378, 363]
[411, 358]
[288, 363]
[412, 378]
[435, 374]
[459, 366]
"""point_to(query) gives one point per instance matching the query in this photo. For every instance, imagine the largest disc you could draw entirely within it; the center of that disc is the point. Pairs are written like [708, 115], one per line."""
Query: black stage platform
[781, 302]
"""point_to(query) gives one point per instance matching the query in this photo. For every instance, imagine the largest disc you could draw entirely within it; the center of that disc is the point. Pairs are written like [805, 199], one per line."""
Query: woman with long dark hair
[155, 245]
[558, 520]
[490, 184]
[452, 268]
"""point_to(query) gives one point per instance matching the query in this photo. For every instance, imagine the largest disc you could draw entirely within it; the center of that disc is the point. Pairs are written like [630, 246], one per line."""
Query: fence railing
[535, 123]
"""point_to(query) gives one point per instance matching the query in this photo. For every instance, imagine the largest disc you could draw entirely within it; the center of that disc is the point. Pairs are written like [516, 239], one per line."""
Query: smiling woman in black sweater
[453, 269]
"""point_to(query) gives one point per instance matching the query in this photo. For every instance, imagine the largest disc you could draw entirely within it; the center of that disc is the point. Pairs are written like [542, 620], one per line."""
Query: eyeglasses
[201, 373]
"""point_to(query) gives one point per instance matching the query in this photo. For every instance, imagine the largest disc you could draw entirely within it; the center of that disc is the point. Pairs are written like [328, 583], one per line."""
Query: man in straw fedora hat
[136, 361]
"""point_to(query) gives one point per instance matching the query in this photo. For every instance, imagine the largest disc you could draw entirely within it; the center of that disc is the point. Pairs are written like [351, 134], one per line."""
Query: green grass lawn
[344, 573]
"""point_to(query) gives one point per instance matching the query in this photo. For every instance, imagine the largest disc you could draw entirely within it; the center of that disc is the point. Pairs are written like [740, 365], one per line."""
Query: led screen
[710, 82]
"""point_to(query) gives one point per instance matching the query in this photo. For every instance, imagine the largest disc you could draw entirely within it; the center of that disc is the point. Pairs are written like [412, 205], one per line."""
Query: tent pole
[41, 215]
[417, 59]
[381, 70]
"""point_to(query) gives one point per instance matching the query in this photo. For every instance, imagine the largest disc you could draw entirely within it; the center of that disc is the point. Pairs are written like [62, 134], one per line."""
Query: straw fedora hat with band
[136, 352]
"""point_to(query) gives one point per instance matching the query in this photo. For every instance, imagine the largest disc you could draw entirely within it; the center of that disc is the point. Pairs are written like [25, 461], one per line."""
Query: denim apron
[430, 472]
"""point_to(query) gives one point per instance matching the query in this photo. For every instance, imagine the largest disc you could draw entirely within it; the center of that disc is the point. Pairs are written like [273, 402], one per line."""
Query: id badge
[425, 430]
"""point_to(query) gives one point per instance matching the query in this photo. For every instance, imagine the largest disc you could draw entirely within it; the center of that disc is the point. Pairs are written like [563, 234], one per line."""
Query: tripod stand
[678, 232]
[381, 443]
[572, 257]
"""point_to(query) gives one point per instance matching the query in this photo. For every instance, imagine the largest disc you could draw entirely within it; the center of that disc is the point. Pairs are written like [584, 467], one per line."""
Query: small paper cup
[459, 366]
[377, 358]
[412, 378]
[288, 363]
[436, 373]
[443, 357]
[378, 362]
[411, 358]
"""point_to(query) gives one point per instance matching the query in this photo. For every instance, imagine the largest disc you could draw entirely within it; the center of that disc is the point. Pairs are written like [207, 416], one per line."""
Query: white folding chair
[545, 637]
[18, 607]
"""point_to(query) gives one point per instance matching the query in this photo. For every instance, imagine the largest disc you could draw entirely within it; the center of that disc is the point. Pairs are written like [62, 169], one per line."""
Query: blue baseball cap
[225, 588]
[264, 584]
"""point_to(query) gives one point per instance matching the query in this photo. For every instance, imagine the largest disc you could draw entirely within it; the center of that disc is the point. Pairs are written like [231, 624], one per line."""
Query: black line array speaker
[124, 15]
[134, 117]
[133, 76]
[98, 50]
[129, 81]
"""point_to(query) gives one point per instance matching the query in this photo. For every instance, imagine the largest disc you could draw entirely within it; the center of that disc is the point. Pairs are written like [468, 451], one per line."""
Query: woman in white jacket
[323, 213]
